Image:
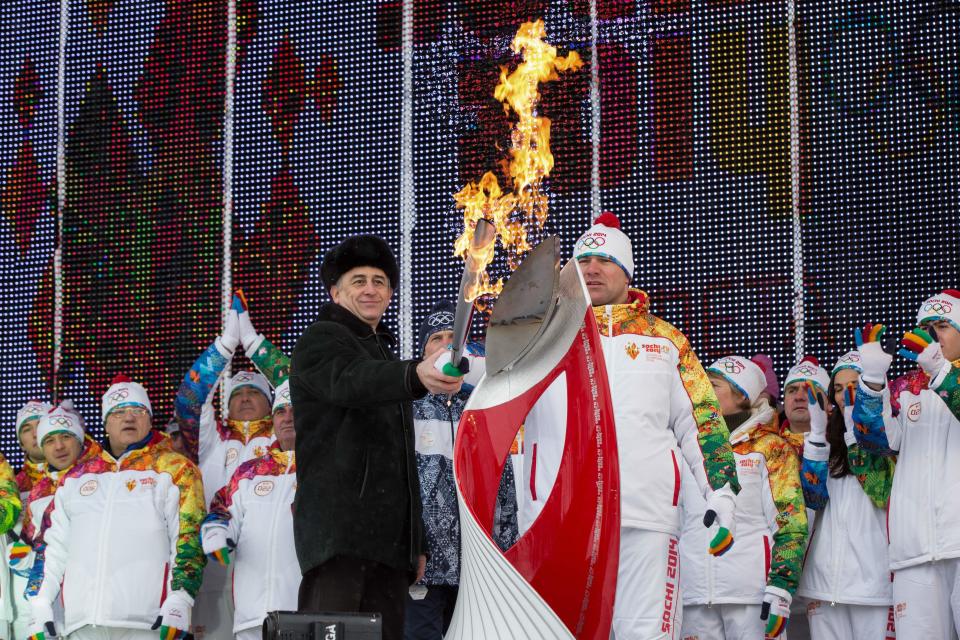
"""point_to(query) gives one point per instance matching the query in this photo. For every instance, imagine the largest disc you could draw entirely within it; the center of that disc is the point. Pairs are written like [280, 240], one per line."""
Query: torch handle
[483, 235]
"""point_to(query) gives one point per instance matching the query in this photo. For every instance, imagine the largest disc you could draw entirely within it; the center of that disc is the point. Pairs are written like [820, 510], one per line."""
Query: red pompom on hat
[608, 219]
[605, 239]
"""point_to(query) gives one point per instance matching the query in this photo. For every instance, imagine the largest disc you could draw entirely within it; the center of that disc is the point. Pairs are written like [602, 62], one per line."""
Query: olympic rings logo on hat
[243, 376]
[593, 242]
[849, 358]
[440, 318]
[806, 371]
[61, 421]
[731, 366]
[941, 307]
[118, 395]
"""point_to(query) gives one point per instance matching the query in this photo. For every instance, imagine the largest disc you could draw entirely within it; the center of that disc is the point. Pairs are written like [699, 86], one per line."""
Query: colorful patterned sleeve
[874, 472]
[790, 537]
[270, 361]
[29, 531]
[949, 390]
[712, 434]
[10, 506]
[50, 543]
[184, 518]
[813, 476]
[196, 387]
[870, 428]
[224, 506]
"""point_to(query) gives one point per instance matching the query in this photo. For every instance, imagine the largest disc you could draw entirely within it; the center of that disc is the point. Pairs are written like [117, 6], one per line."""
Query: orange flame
[525, 205]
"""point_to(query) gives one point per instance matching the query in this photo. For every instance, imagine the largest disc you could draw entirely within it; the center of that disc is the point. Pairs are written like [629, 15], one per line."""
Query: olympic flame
[524, 206]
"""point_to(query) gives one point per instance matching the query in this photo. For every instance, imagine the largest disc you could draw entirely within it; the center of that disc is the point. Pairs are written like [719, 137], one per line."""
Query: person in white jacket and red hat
[250, 525]
[123, 542]
[665, 413]
[923, 518]
[745, 594]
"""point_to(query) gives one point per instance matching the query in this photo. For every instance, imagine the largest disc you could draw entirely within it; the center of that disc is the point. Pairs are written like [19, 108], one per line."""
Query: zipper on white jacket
[107, 517]
[277, 516]
[834, 560]
[273, 556]
[710, 559]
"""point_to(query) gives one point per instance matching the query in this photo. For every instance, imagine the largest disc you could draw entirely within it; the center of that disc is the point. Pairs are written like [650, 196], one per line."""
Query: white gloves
[228, 340]
[41, 618]
[775, 610]
[174, 615]
[249, 337]
[875, 362]
[216, 545]
[818, 415]
[475, 366]
[721, 504]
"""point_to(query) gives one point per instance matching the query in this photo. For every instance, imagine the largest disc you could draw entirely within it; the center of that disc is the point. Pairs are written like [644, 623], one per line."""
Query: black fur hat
[359, 251]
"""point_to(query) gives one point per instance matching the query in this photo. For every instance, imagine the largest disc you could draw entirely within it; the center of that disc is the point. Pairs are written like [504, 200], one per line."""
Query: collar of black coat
[332, 312]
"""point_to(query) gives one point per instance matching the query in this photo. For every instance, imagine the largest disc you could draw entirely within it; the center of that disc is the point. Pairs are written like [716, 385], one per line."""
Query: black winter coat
[358, 494]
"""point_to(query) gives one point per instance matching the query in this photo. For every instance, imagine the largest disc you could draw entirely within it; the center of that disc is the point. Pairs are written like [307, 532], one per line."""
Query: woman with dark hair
[846, 578]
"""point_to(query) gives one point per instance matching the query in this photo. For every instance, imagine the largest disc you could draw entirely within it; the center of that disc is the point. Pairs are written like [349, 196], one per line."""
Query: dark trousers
[352, 585]
[429, 617]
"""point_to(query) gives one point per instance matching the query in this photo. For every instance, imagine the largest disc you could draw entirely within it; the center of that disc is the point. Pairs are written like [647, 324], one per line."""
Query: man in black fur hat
[357, 517]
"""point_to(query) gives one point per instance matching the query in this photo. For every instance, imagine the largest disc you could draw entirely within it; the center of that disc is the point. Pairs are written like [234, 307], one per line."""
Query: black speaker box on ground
[290, 625]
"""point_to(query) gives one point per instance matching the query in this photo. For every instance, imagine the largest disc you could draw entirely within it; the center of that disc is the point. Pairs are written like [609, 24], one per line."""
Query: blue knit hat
[440, 318]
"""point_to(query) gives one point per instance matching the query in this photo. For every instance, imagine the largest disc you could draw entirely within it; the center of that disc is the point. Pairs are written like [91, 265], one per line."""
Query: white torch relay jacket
[664, 408]
[771, 532]
[847, 562]
[255, 508]
[923, 516]
[120, 535]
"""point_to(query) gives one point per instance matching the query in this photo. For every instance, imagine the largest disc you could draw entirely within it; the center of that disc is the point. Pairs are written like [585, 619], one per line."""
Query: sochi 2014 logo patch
[88, 487]
[232, 455]
[913, 413]
[264, 487]
[632, 350]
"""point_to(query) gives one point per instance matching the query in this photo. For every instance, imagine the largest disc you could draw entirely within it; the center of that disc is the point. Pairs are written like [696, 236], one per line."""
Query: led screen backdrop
[787, 169]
